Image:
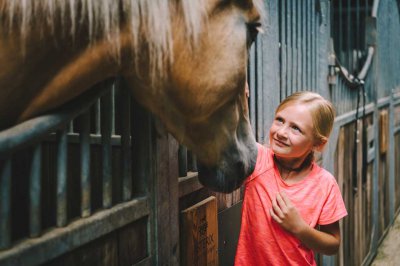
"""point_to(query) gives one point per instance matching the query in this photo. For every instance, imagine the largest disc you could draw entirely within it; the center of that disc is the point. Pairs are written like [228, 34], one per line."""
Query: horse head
[202, 99]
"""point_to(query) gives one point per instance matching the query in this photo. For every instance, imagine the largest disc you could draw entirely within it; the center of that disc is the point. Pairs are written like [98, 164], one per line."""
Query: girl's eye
[295, 128]
[278, 119]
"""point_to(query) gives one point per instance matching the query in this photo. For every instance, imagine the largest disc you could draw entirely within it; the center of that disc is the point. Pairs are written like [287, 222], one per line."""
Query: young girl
[288, 195]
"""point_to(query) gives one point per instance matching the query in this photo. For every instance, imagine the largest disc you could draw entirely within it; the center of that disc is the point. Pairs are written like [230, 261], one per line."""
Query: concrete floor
[389, 251]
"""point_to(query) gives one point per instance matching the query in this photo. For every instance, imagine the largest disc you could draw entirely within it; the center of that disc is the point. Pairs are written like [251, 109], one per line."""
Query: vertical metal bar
[283, 40]
[182, 160]
[317, 36]
[106, 148]
[126, 144]
[259, 82]
[313, 47]
[252, 87]
[34, 192]
[288, 50]
[294, 47]
[303, 45]
[316, 51]
[85, 165]
[113, 88]
[71, 127]
[358, 31]
[5, 205]
[299, 85]
[287, 46]
[339, 50]
[194, 163]
[366, 10]
[342, 96]
[271, 70]
[293, 69]
[97, 116]
[308, 69]
[349, 49]
[338, 102]
[62, 179]
[289, 29]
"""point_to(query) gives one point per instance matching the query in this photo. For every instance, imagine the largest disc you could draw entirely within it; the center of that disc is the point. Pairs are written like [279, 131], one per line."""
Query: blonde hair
[322, 112]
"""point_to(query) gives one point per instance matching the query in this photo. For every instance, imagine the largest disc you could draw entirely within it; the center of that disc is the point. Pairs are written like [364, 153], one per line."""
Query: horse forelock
[103, 20]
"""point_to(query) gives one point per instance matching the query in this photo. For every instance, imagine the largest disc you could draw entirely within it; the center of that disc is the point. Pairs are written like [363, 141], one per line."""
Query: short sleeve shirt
[264, 242]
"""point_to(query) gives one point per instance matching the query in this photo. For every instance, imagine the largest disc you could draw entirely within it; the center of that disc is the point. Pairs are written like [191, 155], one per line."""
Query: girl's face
[292, 132]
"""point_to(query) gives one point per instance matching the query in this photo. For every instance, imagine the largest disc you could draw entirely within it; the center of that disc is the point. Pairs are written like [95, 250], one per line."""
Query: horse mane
[103, 17]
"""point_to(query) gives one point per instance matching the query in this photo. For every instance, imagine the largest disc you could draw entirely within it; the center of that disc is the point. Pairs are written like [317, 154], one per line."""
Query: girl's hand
[286, 215]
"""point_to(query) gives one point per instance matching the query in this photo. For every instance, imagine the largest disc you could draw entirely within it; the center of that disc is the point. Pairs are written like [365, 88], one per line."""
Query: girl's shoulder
[265, 157]
[323, 177]
[264, 161]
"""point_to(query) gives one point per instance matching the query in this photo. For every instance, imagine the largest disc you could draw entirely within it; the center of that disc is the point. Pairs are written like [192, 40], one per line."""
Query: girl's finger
[277, 209]
[274, 216]
[280, 201]
[285, 198]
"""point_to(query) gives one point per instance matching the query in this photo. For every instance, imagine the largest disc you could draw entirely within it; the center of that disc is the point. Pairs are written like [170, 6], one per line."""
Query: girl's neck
[294, 168]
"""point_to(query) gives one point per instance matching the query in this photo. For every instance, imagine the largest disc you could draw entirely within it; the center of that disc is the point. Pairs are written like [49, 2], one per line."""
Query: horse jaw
[237, 154]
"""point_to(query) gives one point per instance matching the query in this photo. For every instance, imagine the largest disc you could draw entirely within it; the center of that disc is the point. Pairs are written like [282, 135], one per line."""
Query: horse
[184, 60]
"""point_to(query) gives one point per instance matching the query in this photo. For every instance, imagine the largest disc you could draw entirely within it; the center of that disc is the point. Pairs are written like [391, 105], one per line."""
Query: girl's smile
[280, 143]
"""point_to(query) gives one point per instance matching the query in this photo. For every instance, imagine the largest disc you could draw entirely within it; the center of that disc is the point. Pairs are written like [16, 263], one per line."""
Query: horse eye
[253, 29]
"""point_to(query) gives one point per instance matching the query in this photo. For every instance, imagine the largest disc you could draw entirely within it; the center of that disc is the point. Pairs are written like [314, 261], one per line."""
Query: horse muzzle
[231, 172]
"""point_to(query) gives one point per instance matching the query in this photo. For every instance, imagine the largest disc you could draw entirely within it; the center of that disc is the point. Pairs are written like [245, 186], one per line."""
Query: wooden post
[340, 178]
[199, 233]
[383, 132]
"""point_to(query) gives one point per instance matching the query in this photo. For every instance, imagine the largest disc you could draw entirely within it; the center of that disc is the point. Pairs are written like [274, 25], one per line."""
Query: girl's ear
[319, 146]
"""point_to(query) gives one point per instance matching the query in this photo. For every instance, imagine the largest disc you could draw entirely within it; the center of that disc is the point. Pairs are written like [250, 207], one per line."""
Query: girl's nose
[282, 132]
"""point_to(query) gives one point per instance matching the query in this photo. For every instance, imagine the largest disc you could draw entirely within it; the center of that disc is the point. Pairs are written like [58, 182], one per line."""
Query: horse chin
[226, 176]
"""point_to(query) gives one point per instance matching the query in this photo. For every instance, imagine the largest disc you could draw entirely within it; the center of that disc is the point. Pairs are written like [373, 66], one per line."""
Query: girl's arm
[325, 241]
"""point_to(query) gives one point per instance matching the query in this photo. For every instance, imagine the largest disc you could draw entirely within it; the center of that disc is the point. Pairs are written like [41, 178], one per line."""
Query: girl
[288, 195]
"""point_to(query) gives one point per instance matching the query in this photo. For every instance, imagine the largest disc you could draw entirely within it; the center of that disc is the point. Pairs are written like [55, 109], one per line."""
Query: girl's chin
[279, 152]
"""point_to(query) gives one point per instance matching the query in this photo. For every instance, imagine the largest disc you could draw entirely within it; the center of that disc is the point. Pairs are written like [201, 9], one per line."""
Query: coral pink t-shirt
[264, 242]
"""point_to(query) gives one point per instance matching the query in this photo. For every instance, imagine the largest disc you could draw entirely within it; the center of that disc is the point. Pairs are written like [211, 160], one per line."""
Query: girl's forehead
[300, 107]
[298, 113]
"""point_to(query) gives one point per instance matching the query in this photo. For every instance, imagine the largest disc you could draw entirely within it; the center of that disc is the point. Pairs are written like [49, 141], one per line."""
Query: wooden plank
[173, 201]
[351, 256]
[35, 251]
[101, 252]
[340, 178]
[199, 233]
[381, 192]
[397, 169]
[161, 195]
[131, 243]
[360, 199]
[383, 131]
[189, 184]
[369, 203]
